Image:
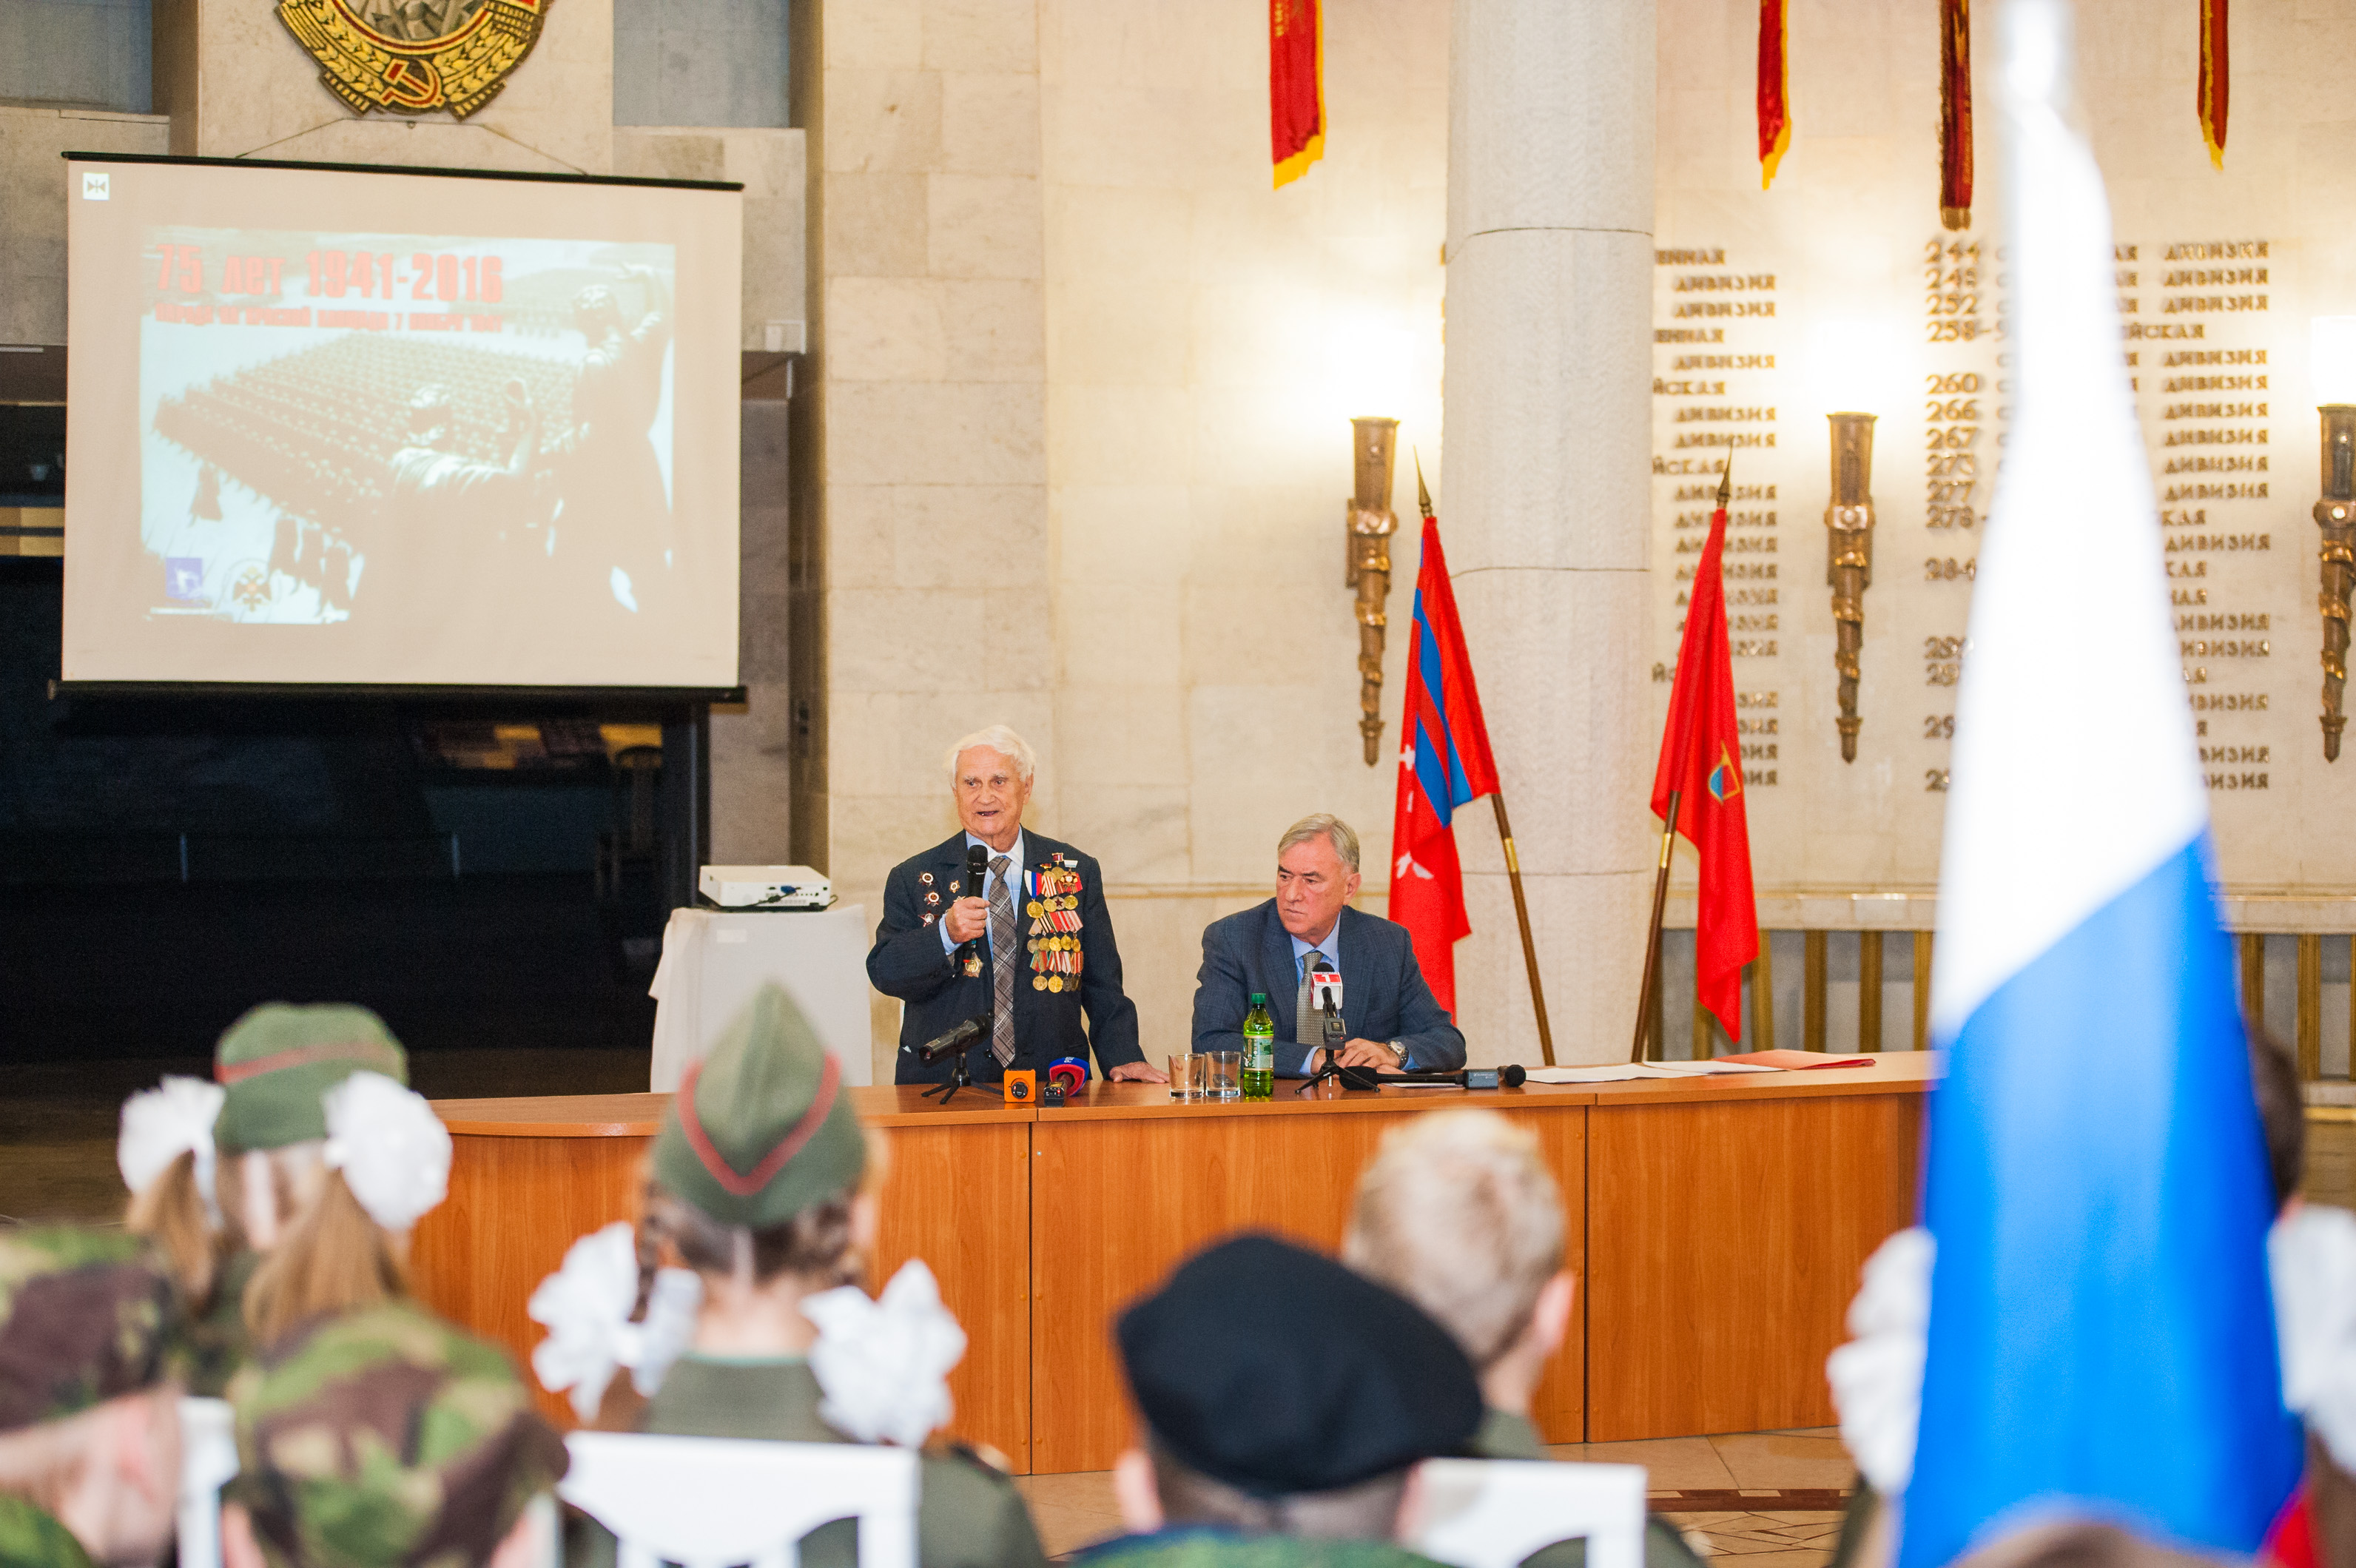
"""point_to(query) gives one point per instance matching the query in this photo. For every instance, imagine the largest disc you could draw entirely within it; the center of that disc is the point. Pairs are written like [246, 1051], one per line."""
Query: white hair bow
[2311, 1255]
[393, 1151]
[586, 1306]
[1877, 1376]
[884, 1365]
[160, 1124]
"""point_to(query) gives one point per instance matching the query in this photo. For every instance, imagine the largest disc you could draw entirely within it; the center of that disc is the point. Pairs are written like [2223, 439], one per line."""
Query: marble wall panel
[32, 205]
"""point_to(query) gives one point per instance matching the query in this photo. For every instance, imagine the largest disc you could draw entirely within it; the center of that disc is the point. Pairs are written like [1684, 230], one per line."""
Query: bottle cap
[1259, 998]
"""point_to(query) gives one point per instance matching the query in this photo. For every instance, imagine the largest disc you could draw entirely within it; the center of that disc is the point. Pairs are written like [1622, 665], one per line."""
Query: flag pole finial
[1725, 482]
[1422, 496]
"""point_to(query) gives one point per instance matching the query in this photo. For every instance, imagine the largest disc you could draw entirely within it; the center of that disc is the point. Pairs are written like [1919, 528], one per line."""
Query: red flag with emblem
[1701, 762]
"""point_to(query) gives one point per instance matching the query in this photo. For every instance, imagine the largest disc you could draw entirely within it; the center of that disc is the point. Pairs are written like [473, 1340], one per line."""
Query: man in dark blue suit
[1389, 1019]
[1029, 945]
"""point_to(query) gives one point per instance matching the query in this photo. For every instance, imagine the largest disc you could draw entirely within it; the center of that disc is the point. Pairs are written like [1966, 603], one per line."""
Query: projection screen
[340, 426]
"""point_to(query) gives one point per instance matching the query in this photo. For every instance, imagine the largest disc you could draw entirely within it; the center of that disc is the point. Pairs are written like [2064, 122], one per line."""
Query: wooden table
[1716, 1225]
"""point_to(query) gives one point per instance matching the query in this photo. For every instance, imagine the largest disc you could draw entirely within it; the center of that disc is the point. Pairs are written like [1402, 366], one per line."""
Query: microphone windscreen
[1511, 1075]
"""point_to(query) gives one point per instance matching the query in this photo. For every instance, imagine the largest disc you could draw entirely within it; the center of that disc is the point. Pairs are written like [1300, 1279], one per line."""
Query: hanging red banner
[1296, 86]
[1774, 89]
[2213, 74]
[1955, 114]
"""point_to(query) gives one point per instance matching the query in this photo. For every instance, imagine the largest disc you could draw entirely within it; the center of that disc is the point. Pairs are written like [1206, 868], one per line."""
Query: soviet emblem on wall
[411, 57]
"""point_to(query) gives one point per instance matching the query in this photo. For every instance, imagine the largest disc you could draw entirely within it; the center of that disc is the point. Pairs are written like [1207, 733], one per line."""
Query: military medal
[932, 899]
[925, 878]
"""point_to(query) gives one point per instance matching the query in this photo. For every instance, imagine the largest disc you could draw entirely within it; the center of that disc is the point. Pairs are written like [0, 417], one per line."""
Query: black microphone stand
[962, 1070]
[1334, 1037]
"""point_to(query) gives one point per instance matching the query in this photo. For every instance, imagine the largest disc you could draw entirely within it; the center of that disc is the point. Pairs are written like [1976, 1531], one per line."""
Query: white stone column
[1545, 500]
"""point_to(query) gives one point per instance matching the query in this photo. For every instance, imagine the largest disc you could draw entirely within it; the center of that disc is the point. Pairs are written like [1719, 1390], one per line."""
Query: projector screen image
[492, 446]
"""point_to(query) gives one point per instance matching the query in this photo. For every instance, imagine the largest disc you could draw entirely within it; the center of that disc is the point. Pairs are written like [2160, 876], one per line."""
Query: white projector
[765, 887]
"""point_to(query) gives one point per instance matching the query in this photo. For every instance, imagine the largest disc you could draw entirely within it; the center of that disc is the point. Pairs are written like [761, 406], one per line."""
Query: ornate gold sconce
[2335, 515]
[1367, 565]
[1848, 533]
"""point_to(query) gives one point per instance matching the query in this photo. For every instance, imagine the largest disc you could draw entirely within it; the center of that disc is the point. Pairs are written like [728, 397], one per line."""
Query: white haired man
[1389, 1020]
[1030, 943]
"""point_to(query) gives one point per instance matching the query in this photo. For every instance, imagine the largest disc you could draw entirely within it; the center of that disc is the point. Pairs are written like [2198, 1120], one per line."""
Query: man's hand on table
[1360, 1053]
[1136, 1072]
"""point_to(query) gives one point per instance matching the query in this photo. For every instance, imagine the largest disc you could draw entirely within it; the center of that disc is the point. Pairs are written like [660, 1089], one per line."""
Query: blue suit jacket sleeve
[1433, 1042]
[906, 960]
[1222, 991]
[1112, 1016]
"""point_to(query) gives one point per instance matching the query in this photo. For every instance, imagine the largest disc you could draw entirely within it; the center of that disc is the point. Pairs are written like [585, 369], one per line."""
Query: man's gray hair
[1004, 742]
[1322, 825]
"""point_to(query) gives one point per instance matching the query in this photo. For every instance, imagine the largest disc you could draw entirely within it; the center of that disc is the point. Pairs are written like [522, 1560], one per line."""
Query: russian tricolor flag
[2101, 1338]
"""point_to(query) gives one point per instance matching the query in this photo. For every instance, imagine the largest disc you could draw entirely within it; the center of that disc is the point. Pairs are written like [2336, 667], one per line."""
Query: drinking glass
[1225, 1078]
[1186, 1075]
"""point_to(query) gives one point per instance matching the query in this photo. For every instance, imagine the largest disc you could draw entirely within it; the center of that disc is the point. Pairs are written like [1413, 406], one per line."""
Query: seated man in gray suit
[1388, 1016]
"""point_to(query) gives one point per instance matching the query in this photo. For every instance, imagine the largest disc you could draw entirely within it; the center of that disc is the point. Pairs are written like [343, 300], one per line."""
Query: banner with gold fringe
[2213, 74]
[1955, 114]
[1296, 86]
[1774, 88]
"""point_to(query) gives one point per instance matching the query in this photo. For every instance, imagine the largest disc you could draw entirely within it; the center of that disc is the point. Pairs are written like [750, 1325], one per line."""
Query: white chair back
[207, 1460]
[1493, 1513]
[718, 1502]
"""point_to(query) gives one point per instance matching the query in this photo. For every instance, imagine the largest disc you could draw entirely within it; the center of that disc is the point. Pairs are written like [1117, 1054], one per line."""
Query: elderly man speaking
[1389, 1019]
[1029, 942]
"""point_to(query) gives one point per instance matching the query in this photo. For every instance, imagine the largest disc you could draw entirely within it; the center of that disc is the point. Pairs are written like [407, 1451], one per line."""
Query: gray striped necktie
[1001, 963]
[1308, 1027]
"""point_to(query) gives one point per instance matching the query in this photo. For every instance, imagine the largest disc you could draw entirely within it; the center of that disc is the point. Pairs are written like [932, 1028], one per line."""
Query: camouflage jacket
[32, 1538]
[215, 1343]
[1506, 1436]
[968, 1515]
[1200, 1546]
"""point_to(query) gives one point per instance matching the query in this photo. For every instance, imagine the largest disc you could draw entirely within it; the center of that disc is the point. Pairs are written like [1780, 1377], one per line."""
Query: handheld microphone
[977, 878]
[941, 1046]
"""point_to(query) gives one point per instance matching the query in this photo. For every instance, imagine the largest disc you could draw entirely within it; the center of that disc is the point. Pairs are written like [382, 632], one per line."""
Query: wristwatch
[1399, 1049]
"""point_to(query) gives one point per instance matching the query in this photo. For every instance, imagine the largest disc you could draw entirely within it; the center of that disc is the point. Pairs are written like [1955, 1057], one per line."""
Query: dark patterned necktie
[1001, 963]
[1308, 1025]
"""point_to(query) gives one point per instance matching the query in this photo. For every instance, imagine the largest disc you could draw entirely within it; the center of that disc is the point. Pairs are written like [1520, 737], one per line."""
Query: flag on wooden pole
[1444, 764]
[1296, 86]
[1774, 88]
[1697, 789]
[2213, 79]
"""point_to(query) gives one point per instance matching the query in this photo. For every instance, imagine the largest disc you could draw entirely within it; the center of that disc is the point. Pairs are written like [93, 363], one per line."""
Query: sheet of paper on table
[1617, 1072]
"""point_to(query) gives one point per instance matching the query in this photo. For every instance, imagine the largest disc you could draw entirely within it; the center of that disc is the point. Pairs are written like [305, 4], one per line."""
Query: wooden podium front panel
[959, 1197]
[515, 1205]
[1724, 1239]
[1128, 1185]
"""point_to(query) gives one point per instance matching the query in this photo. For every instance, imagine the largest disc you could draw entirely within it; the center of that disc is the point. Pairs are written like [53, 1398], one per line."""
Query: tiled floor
[1773, 1499]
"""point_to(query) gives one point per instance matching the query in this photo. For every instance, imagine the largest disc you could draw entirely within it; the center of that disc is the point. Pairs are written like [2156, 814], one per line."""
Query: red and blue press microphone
[1069, 1074]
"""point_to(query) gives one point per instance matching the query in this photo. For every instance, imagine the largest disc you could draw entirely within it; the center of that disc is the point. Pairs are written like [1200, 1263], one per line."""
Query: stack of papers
[1757, 1061]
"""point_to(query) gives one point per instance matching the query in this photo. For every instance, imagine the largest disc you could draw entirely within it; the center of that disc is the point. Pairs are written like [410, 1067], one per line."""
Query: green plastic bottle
[1259, 1050]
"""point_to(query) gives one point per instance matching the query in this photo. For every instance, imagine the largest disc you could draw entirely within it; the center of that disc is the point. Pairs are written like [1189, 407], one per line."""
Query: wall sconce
[1368, 565]
[1849, 536]
[2333, 343]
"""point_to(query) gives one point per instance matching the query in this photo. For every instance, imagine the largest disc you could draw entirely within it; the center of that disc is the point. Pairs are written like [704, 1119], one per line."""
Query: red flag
[2214, 79]
[1444, 764]
[1955, 114]
[1774, 87]
[1701, 761]
[1296, 86]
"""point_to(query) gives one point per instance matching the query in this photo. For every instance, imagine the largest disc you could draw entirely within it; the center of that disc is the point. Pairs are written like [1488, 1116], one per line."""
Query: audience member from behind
[166, 1156]
[386, 1438]
[328, 1159]
[90, 1431]
[1283, 1402]
[1457, 1213]
[760, 1196]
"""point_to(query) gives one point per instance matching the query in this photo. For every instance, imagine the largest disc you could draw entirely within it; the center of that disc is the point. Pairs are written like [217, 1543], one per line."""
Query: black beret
[1279, 1371]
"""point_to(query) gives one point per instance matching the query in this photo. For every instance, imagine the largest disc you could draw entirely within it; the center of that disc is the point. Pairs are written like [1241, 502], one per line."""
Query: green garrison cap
[760, 1129]
[387, 1438]
[85, 1316]
[279, 1060]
